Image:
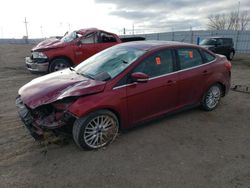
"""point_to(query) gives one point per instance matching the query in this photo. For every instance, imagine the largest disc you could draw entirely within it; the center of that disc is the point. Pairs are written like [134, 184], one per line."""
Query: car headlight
[39, 55]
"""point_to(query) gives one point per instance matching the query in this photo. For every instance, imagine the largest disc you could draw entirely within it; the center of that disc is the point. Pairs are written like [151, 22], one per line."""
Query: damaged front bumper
[37, 65]
[27, 119]
[39, 123]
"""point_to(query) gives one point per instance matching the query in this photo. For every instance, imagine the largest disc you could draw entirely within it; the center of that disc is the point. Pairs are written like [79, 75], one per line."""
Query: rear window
[227, 41]
[208, 57]
[106, 37]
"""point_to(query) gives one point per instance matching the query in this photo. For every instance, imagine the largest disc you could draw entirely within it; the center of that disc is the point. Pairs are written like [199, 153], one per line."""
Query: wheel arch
[113, 110]
[62, 57]
[223, 87]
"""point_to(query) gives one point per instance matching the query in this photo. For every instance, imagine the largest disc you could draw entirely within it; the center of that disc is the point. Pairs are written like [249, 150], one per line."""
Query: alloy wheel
[213, 96]
[100, 131]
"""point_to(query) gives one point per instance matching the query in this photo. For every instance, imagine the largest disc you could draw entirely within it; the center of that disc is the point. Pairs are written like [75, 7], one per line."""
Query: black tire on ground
[58, 64]
[96, 130]
[230, 55]
[212, 97]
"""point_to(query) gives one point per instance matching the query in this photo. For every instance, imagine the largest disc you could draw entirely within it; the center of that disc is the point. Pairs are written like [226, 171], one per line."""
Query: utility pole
[237, 27]
[26, 27]
[133, 29]
[1, 32]
[238, 17]
[191, 34]
[69, 27]
[42, 31]
[124, 31]
[172, 33]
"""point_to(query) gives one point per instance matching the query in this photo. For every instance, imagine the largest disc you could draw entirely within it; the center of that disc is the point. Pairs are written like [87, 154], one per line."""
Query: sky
[54, 17]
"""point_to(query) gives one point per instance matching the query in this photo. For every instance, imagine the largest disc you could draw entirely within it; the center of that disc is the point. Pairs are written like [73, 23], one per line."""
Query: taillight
[228, 65]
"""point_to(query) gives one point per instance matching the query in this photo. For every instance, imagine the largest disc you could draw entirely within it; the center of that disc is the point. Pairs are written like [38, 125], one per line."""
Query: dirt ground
[190, 149]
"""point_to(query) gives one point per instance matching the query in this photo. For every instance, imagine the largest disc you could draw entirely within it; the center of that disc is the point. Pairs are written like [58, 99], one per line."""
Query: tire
[230, 55]
[211, 98]
[96, 130]
[58, 64]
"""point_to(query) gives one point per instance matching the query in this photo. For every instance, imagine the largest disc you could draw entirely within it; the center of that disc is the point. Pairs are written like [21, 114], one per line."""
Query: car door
[159, 94]
[221, 47]
[192, 75]
[105, 40]
[86, 47]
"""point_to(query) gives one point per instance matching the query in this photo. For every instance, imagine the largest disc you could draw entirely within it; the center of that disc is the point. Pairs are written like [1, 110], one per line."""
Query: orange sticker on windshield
[190, 53]
[158, 60]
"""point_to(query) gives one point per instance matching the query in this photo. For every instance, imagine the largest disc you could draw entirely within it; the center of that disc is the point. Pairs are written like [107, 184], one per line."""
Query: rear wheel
[96, 130]
[58, 64]
[212, 97]
[230, 55]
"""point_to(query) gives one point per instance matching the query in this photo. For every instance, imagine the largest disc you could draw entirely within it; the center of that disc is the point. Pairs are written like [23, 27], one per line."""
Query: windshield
[70, 36]
[208, 42]
[111, 62]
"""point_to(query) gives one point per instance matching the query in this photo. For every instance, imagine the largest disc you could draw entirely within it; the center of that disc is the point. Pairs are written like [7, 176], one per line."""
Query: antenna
[26, 27]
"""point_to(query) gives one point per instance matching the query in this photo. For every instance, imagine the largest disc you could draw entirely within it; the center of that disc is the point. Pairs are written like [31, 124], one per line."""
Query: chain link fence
[241, 38]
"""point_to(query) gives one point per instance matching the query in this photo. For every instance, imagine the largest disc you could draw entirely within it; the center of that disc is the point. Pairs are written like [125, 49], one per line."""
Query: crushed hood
[56, 86]
[49, 44]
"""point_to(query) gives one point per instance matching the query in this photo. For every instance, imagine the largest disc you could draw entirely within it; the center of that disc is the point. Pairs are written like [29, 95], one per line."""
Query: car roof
[86, 31]
[218, 37]
[154, 44]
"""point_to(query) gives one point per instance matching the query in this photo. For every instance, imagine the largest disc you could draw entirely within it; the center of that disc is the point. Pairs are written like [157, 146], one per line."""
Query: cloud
[169, 14]
[137, 15]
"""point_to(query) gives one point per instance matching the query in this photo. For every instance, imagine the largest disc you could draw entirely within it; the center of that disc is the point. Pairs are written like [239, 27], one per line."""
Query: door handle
[170, 82]
[205, 72]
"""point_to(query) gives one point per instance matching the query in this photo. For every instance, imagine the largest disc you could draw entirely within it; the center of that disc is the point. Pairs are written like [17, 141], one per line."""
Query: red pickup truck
[56, 54]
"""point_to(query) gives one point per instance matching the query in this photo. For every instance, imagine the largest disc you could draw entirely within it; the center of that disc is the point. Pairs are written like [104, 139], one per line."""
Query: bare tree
[232, 21]
[244, 20]
[214, 22]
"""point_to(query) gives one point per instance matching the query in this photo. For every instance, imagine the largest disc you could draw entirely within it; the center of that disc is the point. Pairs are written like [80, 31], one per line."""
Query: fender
[99, 101]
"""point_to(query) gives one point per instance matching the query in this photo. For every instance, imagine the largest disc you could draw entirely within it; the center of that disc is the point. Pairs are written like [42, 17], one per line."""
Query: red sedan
[121, 87]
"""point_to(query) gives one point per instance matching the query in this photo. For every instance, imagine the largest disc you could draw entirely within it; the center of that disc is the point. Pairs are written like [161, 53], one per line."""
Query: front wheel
[96, 130]
[58, 64]
[211, 98]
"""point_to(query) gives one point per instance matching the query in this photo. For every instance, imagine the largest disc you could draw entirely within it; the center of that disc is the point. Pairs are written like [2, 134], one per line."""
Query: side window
[189, 57]
[227, 41]
[89, 39]
[220, 42]
[157, 64]
[106, 37]
[208, 57]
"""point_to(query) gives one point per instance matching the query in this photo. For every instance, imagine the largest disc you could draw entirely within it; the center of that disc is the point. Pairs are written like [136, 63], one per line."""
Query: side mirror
[139, 77]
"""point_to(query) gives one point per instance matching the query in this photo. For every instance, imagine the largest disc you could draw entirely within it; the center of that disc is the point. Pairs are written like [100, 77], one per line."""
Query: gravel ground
[190, 149]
